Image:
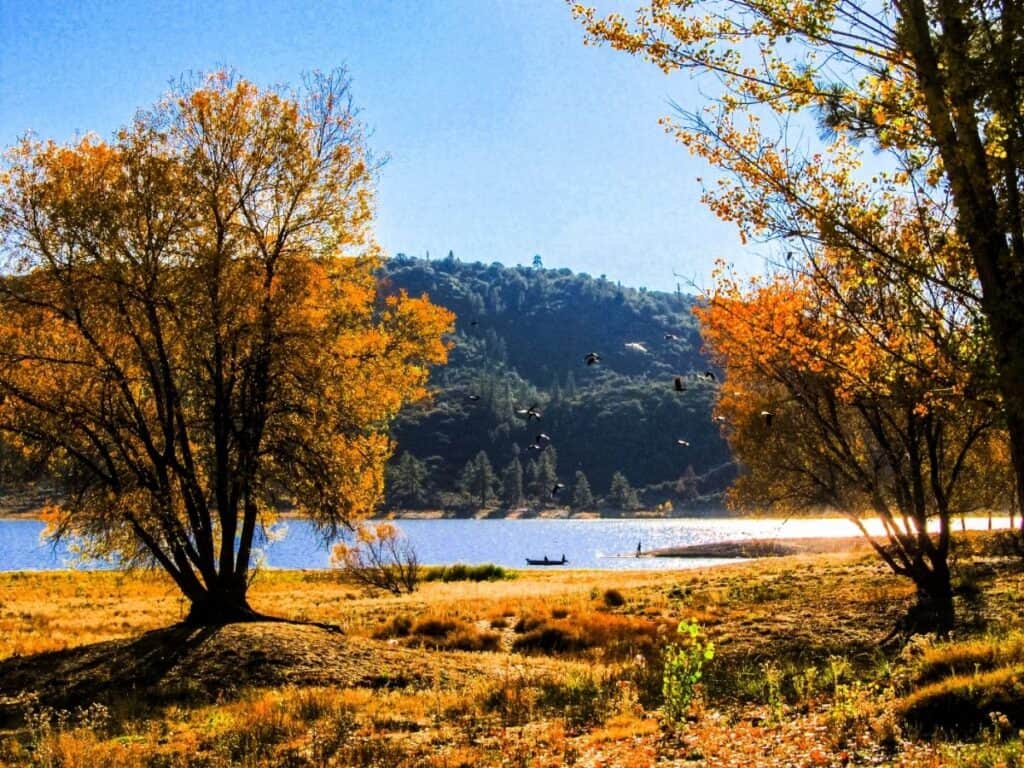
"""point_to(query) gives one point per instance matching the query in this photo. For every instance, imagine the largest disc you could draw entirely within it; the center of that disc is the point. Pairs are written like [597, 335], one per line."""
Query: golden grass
[796, 666]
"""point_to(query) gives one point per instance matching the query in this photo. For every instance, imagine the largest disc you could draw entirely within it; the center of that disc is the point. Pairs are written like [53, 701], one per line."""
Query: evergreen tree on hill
[512, 484]
[521, 336]
[582, 498]
[622, 496]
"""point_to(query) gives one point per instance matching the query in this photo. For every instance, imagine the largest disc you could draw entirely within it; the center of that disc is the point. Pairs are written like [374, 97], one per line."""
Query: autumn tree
[821, 416]
[935, 86]
[192, 329]
[381, 557]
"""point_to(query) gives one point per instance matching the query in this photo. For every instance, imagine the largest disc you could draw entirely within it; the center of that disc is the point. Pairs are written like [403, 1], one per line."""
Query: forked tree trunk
[224, 605]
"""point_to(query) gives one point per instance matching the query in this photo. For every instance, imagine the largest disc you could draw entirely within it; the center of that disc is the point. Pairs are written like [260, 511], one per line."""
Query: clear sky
[507, 137]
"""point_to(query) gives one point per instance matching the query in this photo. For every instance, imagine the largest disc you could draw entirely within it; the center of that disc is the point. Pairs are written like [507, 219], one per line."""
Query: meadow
[533, 669]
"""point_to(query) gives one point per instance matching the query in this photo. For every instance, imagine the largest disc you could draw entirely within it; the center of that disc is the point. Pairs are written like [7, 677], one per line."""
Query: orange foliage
[193, 331]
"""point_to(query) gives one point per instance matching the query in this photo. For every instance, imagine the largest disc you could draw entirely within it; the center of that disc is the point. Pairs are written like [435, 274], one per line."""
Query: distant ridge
[521, 337]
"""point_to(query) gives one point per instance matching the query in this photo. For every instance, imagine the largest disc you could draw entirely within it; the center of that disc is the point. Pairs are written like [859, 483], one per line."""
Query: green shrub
[463, 572]
[683, 668]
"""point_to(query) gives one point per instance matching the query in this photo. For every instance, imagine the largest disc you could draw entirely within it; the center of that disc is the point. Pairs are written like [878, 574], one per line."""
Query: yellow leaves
[215, 262]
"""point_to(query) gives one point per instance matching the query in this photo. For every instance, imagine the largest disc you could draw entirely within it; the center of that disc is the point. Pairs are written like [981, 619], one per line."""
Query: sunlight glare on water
[604, 543]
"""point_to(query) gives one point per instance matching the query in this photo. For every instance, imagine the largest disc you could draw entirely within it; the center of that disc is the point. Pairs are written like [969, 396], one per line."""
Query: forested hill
[521, 337]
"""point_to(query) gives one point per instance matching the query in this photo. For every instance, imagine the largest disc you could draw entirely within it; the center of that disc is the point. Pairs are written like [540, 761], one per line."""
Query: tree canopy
[934, 86]
[821, 417]
[192, 332]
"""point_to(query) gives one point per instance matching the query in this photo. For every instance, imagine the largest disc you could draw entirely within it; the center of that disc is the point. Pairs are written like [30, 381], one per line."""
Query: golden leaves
[199, 306]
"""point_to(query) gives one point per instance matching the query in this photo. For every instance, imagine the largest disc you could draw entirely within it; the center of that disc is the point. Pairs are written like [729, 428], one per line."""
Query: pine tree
[621, 494]
[547, 473]
[406, 482]
[478, 479]
[534, 487]
[582, 498]
[512, 484]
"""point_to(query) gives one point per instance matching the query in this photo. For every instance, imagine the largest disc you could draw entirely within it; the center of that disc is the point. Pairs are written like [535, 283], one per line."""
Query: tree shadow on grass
[97, 672]
[192, 664]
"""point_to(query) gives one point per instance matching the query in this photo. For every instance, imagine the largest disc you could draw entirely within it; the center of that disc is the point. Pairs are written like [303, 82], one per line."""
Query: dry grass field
[545, 669]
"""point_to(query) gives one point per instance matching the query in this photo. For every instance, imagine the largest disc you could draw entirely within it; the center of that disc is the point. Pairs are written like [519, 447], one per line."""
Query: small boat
[546, 561]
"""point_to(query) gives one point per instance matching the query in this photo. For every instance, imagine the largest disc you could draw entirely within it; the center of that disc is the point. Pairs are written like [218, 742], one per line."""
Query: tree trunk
[222, 606]
[934, 609]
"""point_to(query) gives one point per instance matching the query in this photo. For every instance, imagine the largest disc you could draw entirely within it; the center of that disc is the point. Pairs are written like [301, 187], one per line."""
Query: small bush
[613, 598]
[549, 639]
[972, 656]
[452, 635]
[683, 668]
[499, 622]
[463, 572]
[559, 613]
[434, 627]
[963, 704]
[619, 637]
[469, 638]
[381, 558]
[528, 623]
[399, 626]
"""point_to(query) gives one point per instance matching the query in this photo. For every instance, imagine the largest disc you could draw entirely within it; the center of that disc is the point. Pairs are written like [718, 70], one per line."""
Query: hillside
[521, 337]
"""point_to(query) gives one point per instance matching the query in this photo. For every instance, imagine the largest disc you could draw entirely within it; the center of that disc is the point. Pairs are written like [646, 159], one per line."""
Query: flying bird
[684, 443]
[542, 439]
[556, 488]
[680, 387]
[767, 416]
[591, 357]
[529, 413]
[708, 376]
[473, 398]
[635, 346]
[719, 419]
[671, 337]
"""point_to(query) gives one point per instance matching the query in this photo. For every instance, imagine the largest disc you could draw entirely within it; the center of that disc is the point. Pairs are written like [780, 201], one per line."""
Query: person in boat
[545, 558]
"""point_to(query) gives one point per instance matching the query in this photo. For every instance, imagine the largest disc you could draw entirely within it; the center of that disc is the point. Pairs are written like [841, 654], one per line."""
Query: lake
[604, 543]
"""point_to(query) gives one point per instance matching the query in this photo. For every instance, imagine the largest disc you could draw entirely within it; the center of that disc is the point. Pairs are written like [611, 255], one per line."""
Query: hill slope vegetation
[520, 341]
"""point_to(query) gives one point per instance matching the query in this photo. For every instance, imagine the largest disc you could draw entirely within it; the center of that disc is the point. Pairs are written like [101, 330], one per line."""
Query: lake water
[586, 543]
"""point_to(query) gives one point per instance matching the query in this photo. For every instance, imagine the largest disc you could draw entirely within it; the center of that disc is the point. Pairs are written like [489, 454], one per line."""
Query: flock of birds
[542, 440]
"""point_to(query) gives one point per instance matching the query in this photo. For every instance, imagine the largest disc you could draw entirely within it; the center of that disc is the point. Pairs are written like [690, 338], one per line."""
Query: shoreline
[765, 547]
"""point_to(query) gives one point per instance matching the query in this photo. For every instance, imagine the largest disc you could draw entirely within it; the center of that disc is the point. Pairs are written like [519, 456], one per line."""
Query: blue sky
[506, 136]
